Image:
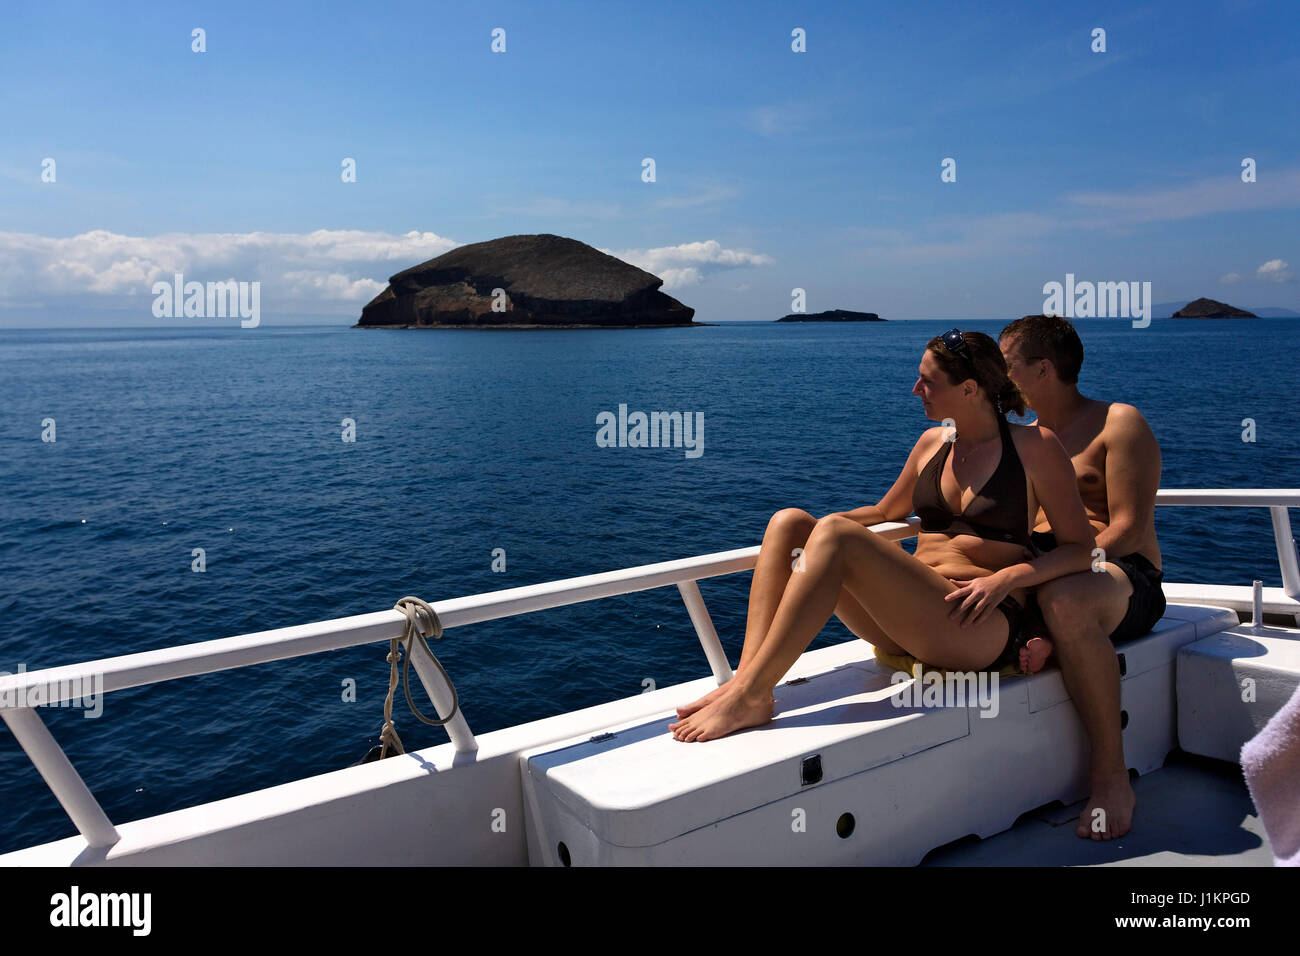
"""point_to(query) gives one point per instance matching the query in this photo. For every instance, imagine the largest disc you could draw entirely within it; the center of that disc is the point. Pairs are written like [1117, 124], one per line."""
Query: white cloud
[1275, 270]
[323, 271]
[943, 239]
[331, 285]
[1213, 195]
[305, 270]
[679, 278]
[1232, 278]
[953, 238]
[689, 263]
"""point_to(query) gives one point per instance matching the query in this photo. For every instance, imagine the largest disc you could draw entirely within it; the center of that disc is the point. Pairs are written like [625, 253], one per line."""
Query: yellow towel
[905, 663]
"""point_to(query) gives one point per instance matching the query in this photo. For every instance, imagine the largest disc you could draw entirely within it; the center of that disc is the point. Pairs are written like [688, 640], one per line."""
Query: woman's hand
[978, 597]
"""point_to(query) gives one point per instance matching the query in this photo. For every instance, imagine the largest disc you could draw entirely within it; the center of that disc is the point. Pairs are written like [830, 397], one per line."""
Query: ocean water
[231, 441]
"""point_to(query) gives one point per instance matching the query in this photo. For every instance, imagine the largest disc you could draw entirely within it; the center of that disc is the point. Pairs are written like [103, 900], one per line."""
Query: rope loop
[421, 623]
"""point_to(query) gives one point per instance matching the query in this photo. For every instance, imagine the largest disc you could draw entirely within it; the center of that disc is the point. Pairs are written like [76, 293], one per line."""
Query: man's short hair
[1049, 337]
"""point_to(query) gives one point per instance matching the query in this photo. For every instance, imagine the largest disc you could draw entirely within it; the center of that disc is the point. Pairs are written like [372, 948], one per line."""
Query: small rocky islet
[834, 315]
[1210, 309]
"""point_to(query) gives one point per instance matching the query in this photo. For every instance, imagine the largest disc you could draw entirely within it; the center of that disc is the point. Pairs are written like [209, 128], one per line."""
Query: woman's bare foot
[728, 713]
[710, 697]
[1035, 654]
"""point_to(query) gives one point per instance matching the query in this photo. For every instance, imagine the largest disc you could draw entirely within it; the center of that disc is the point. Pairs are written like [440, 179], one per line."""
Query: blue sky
[774, 169]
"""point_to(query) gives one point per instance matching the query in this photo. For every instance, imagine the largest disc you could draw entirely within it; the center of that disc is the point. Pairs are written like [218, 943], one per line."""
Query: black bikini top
[999, 512]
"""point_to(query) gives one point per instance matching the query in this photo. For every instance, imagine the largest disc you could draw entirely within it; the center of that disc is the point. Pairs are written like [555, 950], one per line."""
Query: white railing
[1277, 500]
[58, 684]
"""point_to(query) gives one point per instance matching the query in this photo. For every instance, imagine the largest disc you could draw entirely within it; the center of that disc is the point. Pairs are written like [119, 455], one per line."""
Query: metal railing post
[61, 777]
[699, 613]
[1286, 551]
[436, 687]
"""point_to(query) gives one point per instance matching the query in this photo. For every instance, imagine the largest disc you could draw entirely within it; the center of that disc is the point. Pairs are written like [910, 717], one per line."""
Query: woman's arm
[897, 502]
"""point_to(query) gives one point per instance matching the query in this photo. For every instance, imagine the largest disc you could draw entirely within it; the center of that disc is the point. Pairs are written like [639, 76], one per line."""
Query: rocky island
[1209, 309]
[834, 315]
[524, 282]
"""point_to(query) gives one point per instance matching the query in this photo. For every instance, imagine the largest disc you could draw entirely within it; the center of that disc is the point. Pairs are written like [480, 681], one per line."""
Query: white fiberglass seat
[843, 775]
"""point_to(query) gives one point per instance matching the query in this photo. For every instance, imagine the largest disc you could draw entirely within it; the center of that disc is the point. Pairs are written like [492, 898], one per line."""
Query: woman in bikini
[957, 603]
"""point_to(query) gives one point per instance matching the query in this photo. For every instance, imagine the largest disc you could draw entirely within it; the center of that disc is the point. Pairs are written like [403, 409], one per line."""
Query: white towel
[1271, 763]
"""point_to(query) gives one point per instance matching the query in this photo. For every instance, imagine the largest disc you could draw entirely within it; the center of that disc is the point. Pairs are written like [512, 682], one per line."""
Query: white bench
[1231, 684]
[842, 775]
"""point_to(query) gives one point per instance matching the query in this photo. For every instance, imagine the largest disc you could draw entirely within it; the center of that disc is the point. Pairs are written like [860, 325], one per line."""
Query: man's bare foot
[1109, 813]
[726, 714]
[1035, 654]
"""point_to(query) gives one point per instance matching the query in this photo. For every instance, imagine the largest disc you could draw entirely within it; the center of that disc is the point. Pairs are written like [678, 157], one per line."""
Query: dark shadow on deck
[1193, 811]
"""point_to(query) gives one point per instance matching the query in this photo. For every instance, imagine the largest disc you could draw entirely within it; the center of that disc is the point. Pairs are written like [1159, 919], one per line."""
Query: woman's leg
[903, 596]
[787, 530]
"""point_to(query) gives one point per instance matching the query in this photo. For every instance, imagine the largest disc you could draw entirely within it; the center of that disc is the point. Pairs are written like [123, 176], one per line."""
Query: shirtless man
[1117, 465]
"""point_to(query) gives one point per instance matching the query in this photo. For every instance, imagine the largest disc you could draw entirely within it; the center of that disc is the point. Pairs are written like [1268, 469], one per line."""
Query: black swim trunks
[1146, 605]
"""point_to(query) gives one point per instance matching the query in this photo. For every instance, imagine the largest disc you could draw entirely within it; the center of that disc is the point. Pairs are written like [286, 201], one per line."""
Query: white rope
[421, 622]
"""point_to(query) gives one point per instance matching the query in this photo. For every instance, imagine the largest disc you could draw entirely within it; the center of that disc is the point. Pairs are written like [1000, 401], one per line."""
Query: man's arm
[1132, 478]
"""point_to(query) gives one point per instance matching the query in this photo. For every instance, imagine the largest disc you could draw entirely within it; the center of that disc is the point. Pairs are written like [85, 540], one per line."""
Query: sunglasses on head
[954, 343]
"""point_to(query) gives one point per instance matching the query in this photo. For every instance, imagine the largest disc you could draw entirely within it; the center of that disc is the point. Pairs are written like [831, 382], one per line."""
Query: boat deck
[1193, 811]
